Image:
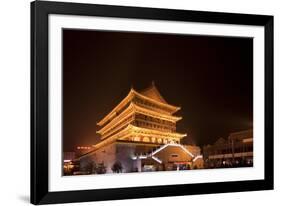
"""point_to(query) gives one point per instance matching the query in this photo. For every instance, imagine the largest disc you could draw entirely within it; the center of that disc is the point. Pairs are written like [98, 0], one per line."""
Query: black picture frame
[39, 102]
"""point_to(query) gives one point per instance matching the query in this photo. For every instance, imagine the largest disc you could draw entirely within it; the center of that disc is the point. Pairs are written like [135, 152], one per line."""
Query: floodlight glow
[156, 159]
[197, 157]
[66, 161]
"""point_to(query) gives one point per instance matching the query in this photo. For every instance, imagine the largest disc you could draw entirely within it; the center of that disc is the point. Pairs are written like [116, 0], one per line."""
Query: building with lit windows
[68, 157]
[139, 134]
[235, 151]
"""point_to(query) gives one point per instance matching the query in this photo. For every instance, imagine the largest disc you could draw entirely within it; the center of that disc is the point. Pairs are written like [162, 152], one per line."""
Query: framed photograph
[131, 102]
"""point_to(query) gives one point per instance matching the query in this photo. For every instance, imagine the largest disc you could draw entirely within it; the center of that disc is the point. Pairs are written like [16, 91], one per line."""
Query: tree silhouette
[87, 165]
[117, 167]
[101, 169]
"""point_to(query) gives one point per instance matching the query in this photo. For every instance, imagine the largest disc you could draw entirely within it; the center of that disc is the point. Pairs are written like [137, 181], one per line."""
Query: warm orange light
[128, 98]
[120, 124]
[83, 148]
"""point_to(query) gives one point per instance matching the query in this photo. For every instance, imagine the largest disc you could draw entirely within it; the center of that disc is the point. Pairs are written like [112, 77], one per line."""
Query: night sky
[210, 77]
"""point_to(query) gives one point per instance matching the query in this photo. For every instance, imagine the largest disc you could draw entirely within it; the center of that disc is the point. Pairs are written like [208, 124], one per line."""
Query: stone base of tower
[145, 157]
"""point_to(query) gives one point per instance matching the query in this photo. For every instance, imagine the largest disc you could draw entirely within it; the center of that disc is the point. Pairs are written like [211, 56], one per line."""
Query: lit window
[145, 139]
[137, 139]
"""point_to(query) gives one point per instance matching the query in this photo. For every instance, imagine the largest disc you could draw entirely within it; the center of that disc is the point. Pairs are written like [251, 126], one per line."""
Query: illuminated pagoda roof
[133, 108]
[151, 94]
[131, 131]
[141, 117]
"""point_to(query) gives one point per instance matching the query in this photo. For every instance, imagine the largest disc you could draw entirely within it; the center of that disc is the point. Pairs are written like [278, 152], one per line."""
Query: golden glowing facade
[141, 117]
[139, 134]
